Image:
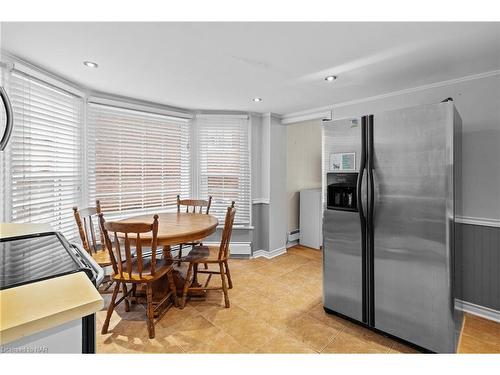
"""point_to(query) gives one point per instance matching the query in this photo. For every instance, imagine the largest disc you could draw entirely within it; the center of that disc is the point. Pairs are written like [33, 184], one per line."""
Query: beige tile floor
[275, 308]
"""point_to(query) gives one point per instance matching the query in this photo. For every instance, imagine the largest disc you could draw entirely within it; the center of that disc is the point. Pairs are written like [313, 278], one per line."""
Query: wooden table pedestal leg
[179, 279]
[196, 284]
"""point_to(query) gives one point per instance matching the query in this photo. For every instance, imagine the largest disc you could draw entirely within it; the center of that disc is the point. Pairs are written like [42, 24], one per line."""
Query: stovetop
[30, 258]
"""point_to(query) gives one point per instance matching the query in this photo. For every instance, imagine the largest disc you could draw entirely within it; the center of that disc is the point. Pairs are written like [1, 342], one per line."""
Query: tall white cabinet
[310, 219]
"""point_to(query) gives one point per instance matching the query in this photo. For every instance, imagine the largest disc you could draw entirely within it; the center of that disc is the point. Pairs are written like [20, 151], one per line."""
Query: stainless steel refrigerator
[391, 187]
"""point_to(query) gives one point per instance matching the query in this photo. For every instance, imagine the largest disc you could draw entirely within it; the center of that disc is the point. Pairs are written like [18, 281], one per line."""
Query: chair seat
[203, 254]
[194, 243]
[162, 267]
[102, 258]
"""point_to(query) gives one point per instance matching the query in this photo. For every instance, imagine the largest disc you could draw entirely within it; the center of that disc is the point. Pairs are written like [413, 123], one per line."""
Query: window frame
[196, 160]
[47, 81]
[138, 108]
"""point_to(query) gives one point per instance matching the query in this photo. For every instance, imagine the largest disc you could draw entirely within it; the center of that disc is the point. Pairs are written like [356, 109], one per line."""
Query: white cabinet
[64, 338]
[310, 218]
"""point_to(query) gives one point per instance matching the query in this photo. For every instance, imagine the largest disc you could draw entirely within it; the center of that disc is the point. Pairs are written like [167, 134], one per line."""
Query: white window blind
[44, 154]
[137, 161]
[224, 164]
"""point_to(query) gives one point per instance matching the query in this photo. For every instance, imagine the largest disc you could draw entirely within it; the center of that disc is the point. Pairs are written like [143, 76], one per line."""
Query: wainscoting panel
[478, 258]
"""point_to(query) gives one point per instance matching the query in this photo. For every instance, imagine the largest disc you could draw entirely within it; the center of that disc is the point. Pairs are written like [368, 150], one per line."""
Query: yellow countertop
[35, 307]
[14, 230]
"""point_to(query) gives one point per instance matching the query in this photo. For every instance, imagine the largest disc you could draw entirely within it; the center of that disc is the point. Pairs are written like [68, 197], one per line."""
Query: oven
[31, 258]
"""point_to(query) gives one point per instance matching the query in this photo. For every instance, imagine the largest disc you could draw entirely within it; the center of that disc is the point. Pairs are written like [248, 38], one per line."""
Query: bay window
[67, 149]
[137, 161]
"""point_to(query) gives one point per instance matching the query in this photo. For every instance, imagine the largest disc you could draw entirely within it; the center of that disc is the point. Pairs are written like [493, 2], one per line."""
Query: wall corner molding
[481, 311]
[260, 201]
[236, 248]
[478, 221]
[272, 115]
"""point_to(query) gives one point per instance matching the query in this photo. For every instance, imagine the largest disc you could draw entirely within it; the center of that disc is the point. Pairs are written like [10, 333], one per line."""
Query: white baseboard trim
[293, 235]
[481, 311]
[269, 254]
[290, 244]
[236, 248]
[478, 221]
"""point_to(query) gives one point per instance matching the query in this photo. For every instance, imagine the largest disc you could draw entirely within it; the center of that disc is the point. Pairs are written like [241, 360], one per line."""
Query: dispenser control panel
[341, 191]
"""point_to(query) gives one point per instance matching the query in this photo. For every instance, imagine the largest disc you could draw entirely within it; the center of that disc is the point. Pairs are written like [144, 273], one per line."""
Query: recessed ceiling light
[256, 100]
[330, 78]
[90, 64]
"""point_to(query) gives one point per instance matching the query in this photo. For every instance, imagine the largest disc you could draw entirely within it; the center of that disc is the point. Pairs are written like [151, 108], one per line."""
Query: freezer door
[412, 219]
[342, 263]
[342, 232]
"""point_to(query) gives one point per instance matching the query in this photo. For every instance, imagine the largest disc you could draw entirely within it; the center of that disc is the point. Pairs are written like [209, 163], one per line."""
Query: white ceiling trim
[269, 115]
[215, 116]
[322, 112]
[13, 63]
[160, 110]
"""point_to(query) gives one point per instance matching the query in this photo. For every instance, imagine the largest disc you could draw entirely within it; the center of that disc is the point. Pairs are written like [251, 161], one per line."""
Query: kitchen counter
[14, 229]
[36, 307]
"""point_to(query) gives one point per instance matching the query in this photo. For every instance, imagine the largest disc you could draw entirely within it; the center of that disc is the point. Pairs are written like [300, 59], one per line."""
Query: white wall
[256, 155]
[303, 164]
[277, 184]
[478, 102]
[265, 157]
[270, 209]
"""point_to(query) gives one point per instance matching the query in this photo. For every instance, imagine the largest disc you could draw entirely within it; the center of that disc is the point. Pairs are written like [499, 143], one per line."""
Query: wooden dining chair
[136, 270]
[87, 229]
[193, 206]
[211, 255]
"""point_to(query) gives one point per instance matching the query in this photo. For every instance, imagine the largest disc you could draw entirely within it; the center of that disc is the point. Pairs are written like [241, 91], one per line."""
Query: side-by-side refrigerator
[391, 187]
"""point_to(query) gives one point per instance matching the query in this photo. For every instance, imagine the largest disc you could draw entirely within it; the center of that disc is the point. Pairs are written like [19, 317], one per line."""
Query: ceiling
[222, 66]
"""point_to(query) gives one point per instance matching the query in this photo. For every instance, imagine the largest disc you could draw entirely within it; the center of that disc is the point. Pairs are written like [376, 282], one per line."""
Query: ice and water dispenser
[341, 191]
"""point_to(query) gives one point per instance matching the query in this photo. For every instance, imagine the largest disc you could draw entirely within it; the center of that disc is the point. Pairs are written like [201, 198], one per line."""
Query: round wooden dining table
[175, 228]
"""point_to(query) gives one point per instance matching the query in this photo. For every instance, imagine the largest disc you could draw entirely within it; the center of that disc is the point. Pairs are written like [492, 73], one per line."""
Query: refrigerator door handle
[371, 174]
[362, 167]
[360, 195]
[374, 195]
[370, 224]
[370, 170]
[364, 199]
[361, 198]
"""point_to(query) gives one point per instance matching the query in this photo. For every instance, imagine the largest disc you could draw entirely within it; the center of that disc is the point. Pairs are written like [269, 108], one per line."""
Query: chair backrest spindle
[227, 231]
[194, 204]
[86, 227]
[119, 255]
[138, 248]
[122, 261]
